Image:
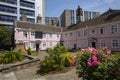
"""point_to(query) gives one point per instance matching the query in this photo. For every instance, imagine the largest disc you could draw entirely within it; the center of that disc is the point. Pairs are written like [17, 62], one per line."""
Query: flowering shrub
[98, 64]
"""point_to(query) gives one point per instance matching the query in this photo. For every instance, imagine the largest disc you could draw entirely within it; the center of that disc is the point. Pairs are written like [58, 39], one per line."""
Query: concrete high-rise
[52, 21]
[69, 17]
[11, 10]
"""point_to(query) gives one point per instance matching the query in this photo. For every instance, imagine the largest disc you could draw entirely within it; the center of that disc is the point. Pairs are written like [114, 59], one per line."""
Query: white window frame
[24, 34]
[50, 34]
[51, 44]
[103, 30]
[102, 42]
[85, 32]
[44, 44]
[114, 28]
[33, 45]
[26, 45]
[58, 35]
[32, 33]
[117, 44]
[44, 35]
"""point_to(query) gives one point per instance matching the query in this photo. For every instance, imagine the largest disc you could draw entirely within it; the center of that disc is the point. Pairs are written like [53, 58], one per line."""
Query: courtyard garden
[91, 64]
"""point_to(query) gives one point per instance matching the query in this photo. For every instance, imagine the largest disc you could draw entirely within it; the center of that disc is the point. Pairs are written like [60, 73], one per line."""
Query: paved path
[30, 74]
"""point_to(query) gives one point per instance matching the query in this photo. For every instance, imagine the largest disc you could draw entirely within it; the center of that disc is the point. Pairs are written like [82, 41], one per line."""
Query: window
[93, 31]
[102, 30]
[25, 34]
[114, 28]
[115, 43]
[66, 35]
[50, 44]
[32, 33]
[26, 45]
[44, 35]
[103, 43]
[79, 34]
[50, 35]
[33, 46]
[44, 44]
[85, 32]
[57, 35]
[70, 34]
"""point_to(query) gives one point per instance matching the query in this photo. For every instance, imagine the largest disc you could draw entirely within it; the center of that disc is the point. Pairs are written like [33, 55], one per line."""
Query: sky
[54, 8]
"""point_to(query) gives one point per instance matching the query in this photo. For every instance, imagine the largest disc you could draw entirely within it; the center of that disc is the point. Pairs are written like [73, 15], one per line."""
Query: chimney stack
[54, 22]
[39, 19]
[23, 17]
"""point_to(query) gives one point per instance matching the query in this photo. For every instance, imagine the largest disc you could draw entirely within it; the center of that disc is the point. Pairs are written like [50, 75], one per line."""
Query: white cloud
[110, 1]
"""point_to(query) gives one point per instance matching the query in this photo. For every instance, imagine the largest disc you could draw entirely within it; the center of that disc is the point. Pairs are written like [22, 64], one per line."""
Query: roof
[107, 17]
[38, 27]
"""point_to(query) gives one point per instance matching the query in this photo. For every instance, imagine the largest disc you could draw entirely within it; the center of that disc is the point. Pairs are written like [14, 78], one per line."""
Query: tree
[6, 37]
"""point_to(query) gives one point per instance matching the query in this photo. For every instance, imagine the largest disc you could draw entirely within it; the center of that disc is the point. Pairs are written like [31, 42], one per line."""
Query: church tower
[79, 15]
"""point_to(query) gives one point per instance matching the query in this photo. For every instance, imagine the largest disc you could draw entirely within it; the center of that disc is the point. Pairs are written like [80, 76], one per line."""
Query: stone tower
[79, 15]
[39, 19]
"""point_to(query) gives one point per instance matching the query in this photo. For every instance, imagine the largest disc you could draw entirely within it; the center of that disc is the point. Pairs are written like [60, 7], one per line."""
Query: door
[93, 44]
[37, 47]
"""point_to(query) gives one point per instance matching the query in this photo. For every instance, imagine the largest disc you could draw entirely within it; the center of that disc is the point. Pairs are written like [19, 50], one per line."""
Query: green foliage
[54, 62]
[6, 36]
[49, 64]
[29, 51]
[49, 51]
[10, 57]
[106, 66]
[66, 59]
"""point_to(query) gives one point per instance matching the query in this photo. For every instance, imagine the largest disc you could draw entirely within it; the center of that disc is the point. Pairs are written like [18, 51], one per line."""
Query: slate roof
[107, 17]
[37, 27]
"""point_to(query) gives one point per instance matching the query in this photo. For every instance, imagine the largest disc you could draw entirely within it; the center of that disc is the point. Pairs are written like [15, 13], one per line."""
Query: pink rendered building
[103, 31]
[36, 36]
[100, 32]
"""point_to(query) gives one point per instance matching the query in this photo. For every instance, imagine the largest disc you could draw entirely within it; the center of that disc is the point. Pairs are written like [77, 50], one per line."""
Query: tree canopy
[6, 37]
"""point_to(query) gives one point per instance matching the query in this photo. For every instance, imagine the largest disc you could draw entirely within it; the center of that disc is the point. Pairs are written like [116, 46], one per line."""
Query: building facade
[11, 10]
[103, 31]
[67, 18]
[36, 36]
[100, 32]
[87, 15]
[52, 21]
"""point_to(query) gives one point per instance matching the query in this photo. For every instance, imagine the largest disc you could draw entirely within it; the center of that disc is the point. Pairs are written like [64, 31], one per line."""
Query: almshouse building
[103, 31]
[36, 36]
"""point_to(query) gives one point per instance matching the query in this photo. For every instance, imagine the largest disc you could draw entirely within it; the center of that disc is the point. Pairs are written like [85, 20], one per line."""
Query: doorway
[94, 44]
[37, 47]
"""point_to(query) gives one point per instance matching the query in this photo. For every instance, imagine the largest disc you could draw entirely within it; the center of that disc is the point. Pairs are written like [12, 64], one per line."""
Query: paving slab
[39, 79]
[1, 76]
[9, 76]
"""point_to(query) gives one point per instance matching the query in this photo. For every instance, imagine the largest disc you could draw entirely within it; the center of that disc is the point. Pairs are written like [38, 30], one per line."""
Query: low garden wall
[19, 66]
